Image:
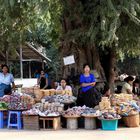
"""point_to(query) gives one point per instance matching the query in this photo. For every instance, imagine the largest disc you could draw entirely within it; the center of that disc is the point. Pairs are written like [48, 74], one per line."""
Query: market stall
[47, 107]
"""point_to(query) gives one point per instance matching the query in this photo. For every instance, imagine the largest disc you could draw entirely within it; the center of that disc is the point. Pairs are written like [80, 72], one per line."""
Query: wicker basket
[132, 121]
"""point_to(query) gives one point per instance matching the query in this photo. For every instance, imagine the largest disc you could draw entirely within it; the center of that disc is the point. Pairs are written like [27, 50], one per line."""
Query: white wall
[27, 82]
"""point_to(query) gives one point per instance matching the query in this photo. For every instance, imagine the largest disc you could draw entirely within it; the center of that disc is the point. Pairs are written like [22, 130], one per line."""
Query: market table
[56, 121]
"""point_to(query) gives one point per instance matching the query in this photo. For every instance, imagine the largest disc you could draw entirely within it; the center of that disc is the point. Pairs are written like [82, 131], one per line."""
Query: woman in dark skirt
[88, 95]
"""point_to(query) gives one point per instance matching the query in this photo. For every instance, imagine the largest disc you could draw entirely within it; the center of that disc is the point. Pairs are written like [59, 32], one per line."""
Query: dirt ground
[80, 134]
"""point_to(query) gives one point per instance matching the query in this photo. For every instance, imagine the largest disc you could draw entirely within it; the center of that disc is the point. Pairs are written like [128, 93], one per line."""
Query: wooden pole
[21, 64]
[30, 69]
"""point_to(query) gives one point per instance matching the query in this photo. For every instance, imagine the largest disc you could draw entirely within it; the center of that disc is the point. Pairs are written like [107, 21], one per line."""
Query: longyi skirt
[90, 98]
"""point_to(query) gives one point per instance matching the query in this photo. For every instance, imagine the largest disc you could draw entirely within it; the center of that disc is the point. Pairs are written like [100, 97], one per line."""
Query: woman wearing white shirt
[64, 88]
[128, 86]
[6, 79]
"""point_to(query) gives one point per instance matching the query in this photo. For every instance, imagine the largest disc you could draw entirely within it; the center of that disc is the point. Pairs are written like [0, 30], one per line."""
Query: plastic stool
[17, 118]
[1, 119]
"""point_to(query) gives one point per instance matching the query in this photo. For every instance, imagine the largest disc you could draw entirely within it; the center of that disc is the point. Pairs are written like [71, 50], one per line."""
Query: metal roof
[29, 53]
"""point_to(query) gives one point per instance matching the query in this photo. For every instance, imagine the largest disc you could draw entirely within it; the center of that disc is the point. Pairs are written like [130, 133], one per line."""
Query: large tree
[98, 32]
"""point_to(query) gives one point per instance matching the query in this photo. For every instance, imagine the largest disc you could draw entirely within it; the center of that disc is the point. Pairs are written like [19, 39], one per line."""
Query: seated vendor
[64, 88]
[6, 79]
[128, 86]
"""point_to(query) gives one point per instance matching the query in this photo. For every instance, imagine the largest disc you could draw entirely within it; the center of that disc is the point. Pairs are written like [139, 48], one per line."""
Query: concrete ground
[81, 134]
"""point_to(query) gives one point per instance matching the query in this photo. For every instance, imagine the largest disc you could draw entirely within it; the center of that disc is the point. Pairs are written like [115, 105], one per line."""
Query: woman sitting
[64, 88]
[6, 79]
[128, 86]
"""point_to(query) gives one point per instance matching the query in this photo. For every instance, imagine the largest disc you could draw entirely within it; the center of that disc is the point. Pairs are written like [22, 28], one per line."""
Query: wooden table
[56, 122]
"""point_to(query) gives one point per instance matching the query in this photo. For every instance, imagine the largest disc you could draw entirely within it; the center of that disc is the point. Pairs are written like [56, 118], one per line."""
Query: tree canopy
[73, 26]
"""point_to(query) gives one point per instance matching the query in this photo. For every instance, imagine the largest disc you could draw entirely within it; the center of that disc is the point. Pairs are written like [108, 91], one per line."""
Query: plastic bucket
[109, 124]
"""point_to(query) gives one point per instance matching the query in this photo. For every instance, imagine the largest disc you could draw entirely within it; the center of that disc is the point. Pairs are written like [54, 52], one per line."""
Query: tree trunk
[97, 63]
[85, 53]
[112, 66]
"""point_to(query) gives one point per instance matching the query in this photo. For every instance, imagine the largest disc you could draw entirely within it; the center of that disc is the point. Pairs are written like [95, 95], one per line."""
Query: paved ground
[120, 134]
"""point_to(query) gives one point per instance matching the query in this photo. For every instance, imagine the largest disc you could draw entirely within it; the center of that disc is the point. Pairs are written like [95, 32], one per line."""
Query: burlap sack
[38, 94]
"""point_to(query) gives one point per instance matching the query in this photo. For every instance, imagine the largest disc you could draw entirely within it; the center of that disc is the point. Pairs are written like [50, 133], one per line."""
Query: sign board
[69, 60]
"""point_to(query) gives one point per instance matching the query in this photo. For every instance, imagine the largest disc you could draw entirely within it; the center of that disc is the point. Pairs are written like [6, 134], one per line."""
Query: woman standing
[42, 80]
[6, 79]
[88, 94]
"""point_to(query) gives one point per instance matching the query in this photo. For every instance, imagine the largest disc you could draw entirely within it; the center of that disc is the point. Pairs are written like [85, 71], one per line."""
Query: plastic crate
[109, 124]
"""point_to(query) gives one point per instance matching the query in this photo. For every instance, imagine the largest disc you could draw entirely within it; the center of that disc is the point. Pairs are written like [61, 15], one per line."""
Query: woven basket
[132, 121]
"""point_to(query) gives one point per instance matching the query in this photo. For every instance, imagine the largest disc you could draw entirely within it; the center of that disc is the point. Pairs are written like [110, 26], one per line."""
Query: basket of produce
[90, 112]
[109, 120]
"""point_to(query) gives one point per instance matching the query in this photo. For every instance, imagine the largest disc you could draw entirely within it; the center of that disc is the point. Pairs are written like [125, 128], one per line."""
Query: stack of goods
[31, 112]
[56, 106]
[118, 99]
[124, 104]
[90, 112]
[3, 106]
[109, 115]
[18, 102]
[128, 108]
[81, 111]
[49, 113]
[105, 103]
[38, 94]
[27, 90]
[64, 92]
[26, 99]
[48, 92]
[45, 109]
[74, 112]
[66, 99]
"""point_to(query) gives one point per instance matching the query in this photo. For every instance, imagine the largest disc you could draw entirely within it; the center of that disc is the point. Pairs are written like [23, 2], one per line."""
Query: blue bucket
[109, 124]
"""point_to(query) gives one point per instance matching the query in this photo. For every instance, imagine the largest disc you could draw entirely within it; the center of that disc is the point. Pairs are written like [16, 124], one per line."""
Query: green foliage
[107, 23]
